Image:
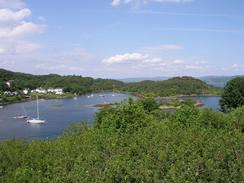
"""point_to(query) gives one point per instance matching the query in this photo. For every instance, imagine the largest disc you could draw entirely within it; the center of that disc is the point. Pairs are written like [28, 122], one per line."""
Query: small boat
[1, 107]
[75, 98]
[90, 96]
[36, 120]
[21, 117]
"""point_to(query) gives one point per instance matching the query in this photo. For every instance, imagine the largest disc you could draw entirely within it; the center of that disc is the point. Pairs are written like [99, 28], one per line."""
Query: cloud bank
[16, 31]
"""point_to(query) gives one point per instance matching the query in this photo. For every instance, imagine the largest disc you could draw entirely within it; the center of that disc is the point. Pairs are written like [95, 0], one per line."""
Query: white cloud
[178, 61]
[15, 31]
[17, 47]
[22, 30]
[8, 15]
[44, 60]
[201, 62]
[127, 57]
[115, 2]
[65, 61]
[145, 55]
[2, 51]
[149, 62]
[193, 67]
[138, 2]
[26, 47]
[152, 61]
[237, 67]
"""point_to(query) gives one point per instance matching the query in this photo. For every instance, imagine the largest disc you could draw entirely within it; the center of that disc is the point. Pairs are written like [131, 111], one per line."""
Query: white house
[57, 91]
[8, 83]
[40, 90]
[9, 93]
[25, 91]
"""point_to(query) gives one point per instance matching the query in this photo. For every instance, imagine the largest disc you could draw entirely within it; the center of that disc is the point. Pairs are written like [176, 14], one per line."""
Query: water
[208, 101]
[59, 114]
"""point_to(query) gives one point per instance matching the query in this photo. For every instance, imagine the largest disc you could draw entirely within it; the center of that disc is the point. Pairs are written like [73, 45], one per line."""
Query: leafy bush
[236, 118]
[129, 144]
[233, 95]
[212, 119]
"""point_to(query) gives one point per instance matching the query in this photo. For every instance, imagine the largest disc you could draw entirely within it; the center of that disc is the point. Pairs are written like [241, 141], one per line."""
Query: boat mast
[37, 107]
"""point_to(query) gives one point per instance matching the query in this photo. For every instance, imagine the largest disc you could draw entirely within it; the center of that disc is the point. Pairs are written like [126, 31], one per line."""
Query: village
[27, 91]
[12, 95]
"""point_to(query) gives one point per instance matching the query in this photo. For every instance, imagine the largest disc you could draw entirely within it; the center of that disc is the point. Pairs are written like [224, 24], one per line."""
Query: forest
[172, 87]
[82, 85]
[73, 84]
[134, 142]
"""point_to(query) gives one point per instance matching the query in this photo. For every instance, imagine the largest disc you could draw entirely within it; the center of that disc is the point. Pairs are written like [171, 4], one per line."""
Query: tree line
[83, 85]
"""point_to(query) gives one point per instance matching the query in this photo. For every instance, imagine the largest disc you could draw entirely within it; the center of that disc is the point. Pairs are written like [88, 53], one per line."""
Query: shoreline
[194, 95]
[31, 98]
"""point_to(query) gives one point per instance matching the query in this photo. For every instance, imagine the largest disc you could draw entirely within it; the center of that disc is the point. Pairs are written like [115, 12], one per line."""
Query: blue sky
[123, 38]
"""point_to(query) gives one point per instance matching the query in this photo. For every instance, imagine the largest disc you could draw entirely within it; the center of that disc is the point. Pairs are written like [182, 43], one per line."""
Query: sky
[123, 38]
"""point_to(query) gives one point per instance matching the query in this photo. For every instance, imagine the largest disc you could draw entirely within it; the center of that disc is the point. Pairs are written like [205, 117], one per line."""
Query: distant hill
[139, 79]
[217, 81]
[82, 85]
[73, 84]
[173, 86]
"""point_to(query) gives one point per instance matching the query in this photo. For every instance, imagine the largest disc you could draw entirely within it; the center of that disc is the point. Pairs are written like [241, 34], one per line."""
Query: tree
[233, 95]
[149, 104]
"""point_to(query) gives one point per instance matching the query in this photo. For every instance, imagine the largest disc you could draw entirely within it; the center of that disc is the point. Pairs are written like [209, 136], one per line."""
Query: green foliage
[82, 85]
[212, 119]
[233, 95]
[236, 118]
[131, 144]
[171, 87]
[124, 117]
[71, 84]
[149, 104]
[187, 116]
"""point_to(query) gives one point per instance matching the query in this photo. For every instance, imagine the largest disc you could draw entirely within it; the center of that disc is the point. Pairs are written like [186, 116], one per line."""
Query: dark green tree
[149, 104]
[233, 95]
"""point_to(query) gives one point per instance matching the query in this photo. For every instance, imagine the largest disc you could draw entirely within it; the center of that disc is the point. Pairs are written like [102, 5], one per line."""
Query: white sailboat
[36, 120]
